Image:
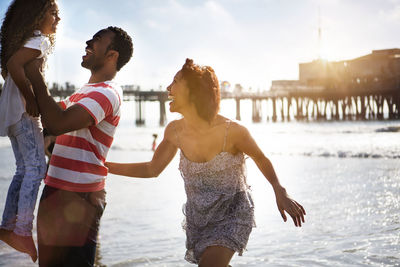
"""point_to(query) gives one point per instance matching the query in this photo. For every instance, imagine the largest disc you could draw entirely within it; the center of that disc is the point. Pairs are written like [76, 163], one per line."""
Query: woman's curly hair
[21, 20]
[204, 89]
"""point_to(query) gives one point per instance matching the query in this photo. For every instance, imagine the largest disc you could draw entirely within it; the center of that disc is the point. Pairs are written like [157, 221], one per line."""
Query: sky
[250, 42]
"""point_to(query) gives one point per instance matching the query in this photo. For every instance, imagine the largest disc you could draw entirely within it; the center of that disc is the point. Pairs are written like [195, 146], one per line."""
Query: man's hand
[33, 69]
[31, 107]
[57, 120]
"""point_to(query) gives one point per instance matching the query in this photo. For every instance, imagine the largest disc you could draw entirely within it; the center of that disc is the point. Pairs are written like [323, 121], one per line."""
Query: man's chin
[85, 65]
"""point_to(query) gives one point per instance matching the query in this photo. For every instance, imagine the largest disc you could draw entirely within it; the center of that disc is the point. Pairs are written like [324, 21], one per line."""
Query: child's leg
[11, 207]
[32, 150]
[27, 142]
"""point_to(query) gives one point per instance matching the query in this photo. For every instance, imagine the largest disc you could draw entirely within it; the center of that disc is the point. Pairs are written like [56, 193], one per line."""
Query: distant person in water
[154, 144]
[219, 209]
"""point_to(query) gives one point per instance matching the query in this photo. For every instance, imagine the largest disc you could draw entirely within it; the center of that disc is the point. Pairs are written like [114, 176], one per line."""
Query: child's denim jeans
[27, 143]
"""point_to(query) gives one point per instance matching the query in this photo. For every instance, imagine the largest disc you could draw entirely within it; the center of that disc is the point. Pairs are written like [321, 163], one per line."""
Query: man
[73, 198]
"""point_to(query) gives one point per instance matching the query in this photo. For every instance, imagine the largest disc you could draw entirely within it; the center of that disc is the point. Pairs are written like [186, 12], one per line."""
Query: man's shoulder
[107, 85]
[109, 89]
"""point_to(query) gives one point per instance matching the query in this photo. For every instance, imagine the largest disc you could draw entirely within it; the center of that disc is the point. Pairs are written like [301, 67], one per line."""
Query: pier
[364, 88]
[140, 97]
[362, 100]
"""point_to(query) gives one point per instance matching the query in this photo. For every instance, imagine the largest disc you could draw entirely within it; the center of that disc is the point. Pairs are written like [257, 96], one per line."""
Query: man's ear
[112, 54]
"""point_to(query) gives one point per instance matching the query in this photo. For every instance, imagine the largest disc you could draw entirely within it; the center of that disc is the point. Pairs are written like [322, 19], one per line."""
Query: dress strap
[226, 133]
[177, 137]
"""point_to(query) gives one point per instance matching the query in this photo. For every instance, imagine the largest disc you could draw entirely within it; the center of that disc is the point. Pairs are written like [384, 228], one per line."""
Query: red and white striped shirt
[77, 162]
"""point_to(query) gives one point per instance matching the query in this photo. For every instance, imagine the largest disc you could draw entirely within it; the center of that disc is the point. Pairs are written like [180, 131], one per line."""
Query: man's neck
[100, 76]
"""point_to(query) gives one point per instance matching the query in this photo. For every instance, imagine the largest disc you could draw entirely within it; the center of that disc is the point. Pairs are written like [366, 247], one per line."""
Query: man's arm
[57, 120]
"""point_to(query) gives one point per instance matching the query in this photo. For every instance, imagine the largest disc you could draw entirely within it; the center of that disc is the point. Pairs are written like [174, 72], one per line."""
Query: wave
[127, 148]
[340, 154]
[349, 154]
[146, 261]
[324, 154]
[390, 129]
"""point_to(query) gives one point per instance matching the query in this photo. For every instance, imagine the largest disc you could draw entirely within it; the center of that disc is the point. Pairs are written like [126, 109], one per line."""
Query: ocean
[346, 174]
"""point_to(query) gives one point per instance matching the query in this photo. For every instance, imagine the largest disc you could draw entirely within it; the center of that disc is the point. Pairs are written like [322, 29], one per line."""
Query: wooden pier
[368, 101]
[140, 97]
[355, 101]
[363, 88]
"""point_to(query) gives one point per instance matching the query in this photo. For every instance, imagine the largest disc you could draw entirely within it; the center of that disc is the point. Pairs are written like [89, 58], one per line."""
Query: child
[219, 209]
[154, 144]
[27, 33]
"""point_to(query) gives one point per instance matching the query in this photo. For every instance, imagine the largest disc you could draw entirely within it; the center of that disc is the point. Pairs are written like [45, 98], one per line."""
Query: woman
[219, 209]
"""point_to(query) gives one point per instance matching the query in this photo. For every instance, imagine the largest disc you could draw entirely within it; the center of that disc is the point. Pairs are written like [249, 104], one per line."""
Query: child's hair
[21, 20]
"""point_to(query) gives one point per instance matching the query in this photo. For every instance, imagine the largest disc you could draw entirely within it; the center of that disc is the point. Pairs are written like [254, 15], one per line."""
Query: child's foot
[4, 235]
[23, 244]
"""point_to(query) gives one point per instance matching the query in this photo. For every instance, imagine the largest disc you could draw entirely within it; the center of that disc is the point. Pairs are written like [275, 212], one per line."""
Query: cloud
[392, 14]
[246, 41]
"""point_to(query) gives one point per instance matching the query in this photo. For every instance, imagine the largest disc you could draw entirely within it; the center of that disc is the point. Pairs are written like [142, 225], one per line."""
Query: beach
[345, 174]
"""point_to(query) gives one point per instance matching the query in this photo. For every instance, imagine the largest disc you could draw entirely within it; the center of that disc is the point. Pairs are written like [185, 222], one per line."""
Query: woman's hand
[292, 207]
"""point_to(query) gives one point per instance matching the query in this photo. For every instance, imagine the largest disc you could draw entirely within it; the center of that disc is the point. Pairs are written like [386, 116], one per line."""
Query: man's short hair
[122, 43]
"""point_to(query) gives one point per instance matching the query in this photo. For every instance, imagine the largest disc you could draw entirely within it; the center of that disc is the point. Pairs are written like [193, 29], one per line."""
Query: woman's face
[48, 25]
[178, 93]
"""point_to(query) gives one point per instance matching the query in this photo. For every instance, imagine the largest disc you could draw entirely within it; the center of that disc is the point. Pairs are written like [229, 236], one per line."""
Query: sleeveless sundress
[219, 208]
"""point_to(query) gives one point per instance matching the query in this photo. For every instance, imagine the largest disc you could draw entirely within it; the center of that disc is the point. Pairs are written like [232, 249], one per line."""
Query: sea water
[345, 174]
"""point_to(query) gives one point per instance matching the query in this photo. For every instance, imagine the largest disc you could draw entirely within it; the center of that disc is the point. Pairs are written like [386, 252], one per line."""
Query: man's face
[96, 50]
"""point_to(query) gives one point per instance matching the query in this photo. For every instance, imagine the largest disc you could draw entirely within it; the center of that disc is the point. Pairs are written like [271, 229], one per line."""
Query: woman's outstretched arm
[163, 155]
[244, 142]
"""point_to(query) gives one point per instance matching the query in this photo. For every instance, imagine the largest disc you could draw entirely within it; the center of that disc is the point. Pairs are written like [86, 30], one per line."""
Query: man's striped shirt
[77, 162]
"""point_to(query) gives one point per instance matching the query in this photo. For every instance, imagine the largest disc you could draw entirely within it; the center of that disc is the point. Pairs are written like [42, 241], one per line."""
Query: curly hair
[122, 43]
[21, 20]
[203, 87]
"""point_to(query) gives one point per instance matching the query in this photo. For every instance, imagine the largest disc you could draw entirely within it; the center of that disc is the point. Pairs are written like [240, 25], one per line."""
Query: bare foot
[23, 244]
[4, 235]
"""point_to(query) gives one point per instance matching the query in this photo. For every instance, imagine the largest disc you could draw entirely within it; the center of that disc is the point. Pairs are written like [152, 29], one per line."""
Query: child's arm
[15, 66]
[244, 142]
[57, 120]
[163, 155]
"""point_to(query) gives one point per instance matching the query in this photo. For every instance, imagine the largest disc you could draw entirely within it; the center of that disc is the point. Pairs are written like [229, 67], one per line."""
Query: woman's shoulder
[233, 125]
[174, 125]
[237, 131]
[172, 129]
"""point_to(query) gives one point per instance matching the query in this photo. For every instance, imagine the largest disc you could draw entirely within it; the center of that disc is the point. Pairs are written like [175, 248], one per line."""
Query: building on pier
[375, 67]
[361, 88]
[320, 75]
